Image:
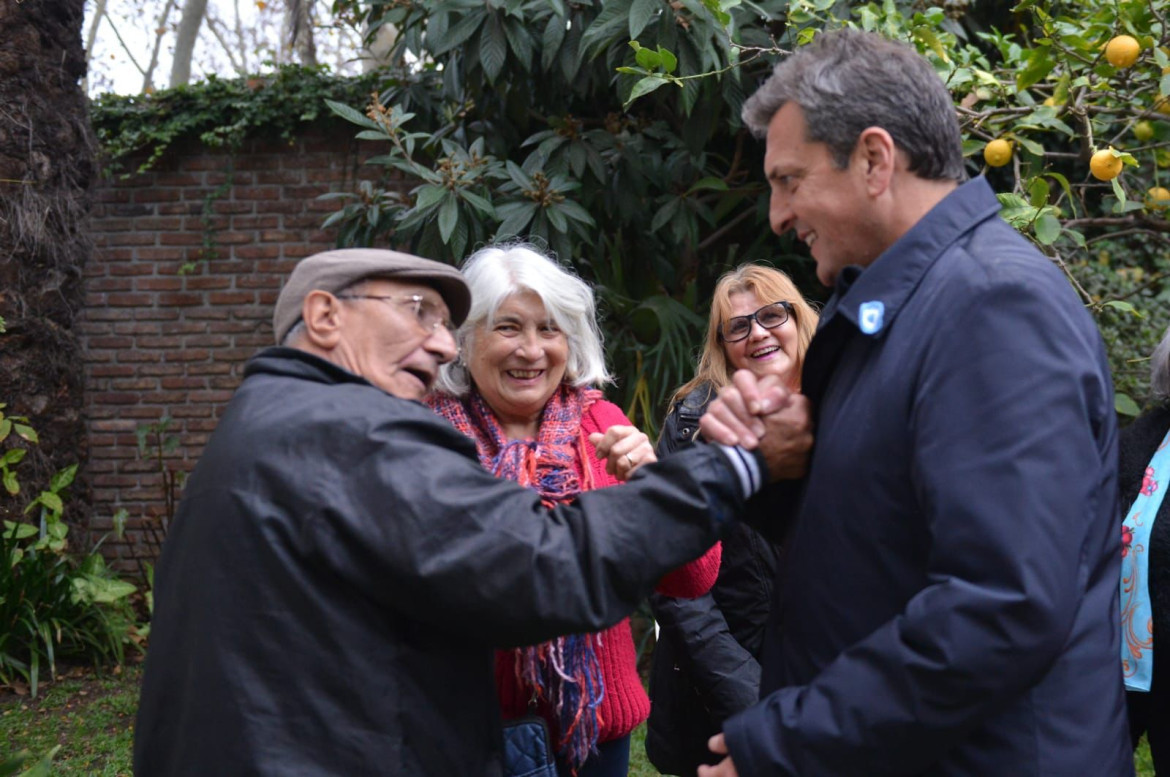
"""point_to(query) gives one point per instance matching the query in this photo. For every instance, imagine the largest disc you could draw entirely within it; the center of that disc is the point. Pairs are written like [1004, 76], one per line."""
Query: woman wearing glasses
[705, 666]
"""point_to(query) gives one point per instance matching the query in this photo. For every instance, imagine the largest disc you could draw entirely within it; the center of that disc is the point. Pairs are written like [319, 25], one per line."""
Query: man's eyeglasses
[770, 316]
[428, 313]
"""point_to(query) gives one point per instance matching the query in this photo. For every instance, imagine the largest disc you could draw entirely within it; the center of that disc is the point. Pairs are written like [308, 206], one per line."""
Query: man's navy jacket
[948, 602]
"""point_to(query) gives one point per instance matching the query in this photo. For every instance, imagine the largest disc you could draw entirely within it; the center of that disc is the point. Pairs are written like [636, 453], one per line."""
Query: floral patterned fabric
[1137, 623]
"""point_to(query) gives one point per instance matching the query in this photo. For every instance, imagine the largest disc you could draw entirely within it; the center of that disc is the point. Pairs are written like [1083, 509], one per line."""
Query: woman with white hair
[524, 391]
[1143, 479]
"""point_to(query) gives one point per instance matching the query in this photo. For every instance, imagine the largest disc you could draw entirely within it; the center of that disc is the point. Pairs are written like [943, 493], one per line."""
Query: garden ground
[92, 717]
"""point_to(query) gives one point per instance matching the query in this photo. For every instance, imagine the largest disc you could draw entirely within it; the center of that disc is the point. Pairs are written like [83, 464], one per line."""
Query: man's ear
[878, 157]
[321, 312]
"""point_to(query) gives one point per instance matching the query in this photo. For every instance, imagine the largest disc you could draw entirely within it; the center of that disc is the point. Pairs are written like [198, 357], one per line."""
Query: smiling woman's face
[763, 351]
[517, 362]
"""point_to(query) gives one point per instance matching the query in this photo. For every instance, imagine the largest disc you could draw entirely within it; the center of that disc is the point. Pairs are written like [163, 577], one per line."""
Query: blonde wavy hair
[769, 285]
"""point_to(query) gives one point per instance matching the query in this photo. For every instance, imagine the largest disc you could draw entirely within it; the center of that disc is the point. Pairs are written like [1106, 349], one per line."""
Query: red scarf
[564, 672]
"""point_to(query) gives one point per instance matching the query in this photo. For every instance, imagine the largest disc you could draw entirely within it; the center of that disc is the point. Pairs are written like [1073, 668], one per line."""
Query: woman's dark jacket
[1139, 440]
[341, 568]
[705, 666]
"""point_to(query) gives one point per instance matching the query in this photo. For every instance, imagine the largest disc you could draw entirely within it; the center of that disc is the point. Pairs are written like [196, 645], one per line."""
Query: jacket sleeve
[1013, 459]
[725, 675]
[694, 578]
[432, 535]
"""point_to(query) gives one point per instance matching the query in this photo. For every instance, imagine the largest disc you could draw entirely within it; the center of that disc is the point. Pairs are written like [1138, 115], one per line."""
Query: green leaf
[493, 49]
[1038, 191]
[550, 41]
[63, 478]
[665, 214]
[641, 12]
[458, 34]
[516, 217]
[556, 218]
[20, 531]
[1039, 65]
[1032, 146]
[448, 215]
[648, 58]
[1123, 306]
[1047, 229]
[119, 522]
[10, 483]
[644, 87]
[5, 429]
[479, 203]
[51, 501]
[352, 115]
[26, 433]
[428, 196]
[13, 456]
[1124, 405]
[669, 60]
[1118, 192]
[576, 213]
[708, 183]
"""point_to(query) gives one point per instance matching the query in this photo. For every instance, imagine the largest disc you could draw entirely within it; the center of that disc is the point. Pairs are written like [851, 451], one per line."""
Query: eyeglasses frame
[750, 317]
[416, 299]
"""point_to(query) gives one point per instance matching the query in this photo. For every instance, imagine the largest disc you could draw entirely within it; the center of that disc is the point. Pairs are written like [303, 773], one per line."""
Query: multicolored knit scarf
[564, 673]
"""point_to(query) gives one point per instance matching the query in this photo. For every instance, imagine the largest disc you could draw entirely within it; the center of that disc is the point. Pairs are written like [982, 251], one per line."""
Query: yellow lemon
[1104, 166]
[1143, 131]
[1050, 102]
[1122, 51]
[998, 152]
[1158, 197]
[1162, 105]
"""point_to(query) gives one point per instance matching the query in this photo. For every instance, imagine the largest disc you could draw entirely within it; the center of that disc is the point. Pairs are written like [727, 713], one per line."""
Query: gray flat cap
[332, 271]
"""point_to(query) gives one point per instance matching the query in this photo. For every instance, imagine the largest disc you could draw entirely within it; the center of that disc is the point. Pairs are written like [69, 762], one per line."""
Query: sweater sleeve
[686, 582]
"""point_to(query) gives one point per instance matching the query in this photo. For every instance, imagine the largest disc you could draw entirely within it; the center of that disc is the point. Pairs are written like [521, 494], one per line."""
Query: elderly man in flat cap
[341, 566]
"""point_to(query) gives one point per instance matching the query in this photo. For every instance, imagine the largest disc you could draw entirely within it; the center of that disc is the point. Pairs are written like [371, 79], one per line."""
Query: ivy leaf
[448, 216]
[63, 478]
[1047, 229]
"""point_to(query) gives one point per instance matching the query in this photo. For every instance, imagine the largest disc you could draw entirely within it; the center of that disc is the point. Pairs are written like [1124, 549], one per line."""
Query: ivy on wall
[219, 112]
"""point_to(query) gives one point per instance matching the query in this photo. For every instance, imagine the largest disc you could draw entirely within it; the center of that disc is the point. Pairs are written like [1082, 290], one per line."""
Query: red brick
[256, 252]
[158, 284]
[180, 299]
[156, 194]
[181, 239]
[110, 284]
[128, 300]
[256, 193]
[231, 298]
[232, 207]
[180, 208]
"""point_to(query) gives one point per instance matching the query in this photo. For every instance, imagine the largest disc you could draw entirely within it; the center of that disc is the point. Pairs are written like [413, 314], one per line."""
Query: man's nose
[442, 344]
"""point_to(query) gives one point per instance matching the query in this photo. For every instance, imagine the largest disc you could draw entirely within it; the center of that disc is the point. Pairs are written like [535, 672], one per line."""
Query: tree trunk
[46, 166]
[298, 32]
[185, 37]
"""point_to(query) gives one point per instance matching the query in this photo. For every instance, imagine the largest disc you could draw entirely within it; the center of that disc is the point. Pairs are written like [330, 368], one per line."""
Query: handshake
[762, 413]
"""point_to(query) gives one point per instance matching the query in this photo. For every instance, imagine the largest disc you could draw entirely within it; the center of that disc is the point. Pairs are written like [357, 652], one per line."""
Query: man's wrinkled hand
[734, 417]
[725, 768]
[788, 439]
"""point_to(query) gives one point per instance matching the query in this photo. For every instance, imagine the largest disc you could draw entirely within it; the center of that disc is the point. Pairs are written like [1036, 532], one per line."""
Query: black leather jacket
[341, 568]
[705, 662]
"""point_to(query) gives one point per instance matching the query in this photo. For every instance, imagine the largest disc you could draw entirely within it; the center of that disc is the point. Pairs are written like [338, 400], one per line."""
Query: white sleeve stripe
[746, 468]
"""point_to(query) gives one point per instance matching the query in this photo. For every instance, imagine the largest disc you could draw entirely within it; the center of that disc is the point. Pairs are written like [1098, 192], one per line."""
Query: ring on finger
[632, 462]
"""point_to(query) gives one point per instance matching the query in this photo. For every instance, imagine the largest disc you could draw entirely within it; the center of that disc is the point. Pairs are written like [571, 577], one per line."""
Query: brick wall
[160, 341]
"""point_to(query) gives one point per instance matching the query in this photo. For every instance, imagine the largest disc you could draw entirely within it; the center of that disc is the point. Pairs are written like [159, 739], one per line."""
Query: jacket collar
[870, 298]
[295, 363]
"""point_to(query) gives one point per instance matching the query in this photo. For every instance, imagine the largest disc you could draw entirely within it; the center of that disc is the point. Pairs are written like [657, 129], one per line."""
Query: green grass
[92, 718]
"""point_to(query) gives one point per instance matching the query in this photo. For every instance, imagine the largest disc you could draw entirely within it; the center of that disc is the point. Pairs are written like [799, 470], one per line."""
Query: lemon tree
[1064, 106]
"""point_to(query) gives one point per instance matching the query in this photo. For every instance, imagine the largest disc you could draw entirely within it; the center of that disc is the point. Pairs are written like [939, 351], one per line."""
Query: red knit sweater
[625, 703]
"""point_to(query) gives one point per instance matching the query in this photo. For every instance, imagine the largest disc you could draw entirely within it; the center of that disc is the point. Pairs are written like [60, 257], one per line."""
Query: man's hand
[762, 413]
[624, 448]
[726, 767]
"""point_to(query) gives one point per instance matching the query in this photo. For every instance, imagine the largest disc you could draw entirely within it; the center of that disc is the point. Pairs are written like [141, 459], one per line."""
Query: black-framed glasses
[429, 315]
[770, 316]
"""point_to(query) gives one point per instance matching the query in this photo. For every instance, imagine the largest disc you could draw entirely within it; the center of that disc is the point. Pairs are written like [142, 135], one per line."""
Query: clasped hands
[762, 413]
